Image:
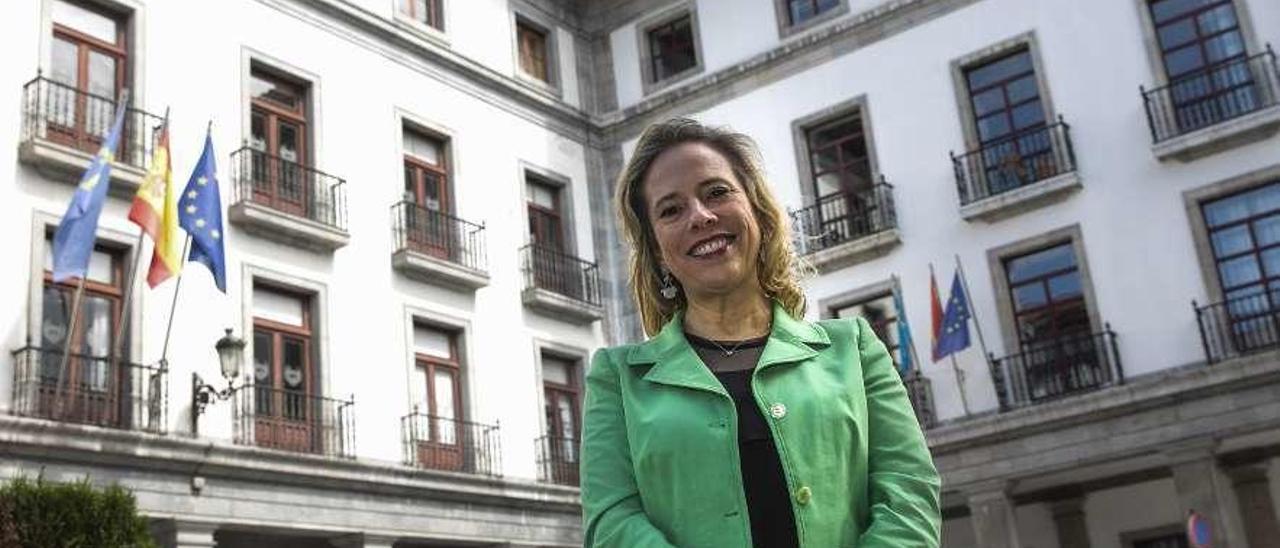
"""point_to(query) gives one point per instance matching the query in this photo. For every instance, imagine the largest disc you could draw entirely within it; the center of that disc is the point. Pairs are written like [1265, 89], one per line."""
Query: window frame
[960, 84]
[1194, 201]
[1155, 55]
[523, 16]
[279, 331]
[432, 6]
[801, 127]
[787, 29]
[564, 186]
[454, 365]
[648, 83]
[1000, 280]
[413, 316]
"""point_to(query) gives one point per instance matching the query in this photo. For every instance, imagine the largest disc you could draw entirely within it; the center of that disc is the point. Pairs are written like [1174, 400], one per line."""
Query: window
[560, 399]
[533, 47]
[1244, 235]
[88, 66]
[428, 226]
[671, 49]
[838, 156]
[1015, 144]
[279, 142]
[437, 385]
[801, 11]
[285, 382]
[883, 317]
[1202, 52]
[91, 384]
[427, 12]
[1047, 295]
[546, 226]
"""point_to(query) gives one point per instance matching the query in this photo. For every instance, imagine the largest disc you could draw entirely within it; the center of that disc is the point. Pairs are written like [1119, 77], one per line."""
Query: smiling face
[702, 220]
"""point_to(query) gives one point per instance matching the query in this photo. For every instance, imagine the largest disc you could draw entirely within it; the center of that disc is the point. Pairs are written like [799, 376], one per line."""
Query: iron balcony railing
[1239, 326]
[844, 217]
[89, 390]
[441, 443]
[438, 234]
[62, 114]
[1014, 161]
[294, 421]
[558, 460]
[289, 187]
[1051, 369]
[1212, 95]
[920, 392]
[560, 273]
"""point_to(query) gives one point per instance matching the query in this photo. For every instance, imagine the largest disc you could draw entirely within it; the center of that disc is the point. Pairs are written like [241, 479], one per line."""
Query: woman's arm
[611, 510]
[903, 486]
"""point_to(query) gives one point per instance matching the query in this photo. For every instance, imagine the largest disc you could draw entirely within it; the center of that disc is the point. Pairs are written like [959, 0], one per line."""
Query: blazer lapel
[674, 361]
[790, 340]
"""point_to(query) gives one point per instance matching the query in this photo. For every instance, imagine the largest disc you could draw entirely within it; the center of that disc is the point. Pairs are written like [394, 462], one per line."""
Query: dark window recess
[800, 11]
[559, 447]
[533, 51]
[284, 380]
[671, 48]
[427, 12]
[1047, 296]
[1173, 540]
[1244, 234]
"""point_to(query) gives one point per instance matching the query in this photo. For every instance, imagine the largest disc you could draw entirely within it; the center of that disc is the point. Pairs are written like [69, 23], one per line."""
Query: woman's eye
[667, 211]
[719, 191]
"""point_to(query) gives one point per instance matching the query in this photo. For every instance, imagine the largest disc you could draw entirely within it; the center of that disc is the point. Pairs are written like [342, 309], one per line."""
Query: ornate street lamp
[230, 355]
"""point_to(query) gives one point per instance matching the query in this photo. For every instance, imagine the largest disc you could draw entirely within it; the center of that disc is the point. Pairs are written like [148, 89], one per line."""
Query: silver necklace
[728, 351]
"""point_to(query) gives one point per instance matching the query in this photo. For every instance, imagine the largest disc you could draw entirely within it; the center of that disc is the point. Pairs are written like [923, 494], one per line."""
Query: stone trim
[1026, 40]
[1152, 46]
[801, 126]
[1193, 200]
[524, 14]
[688, 8]
[1226, 134]
[856, 296]
[438, 36]
[318, 295]
[787, 30]
[1000, 282]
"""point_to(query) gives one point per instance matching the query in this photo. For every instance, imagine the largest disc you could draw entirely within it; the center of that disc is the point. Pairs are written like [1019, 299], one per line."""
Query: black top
[763, 482]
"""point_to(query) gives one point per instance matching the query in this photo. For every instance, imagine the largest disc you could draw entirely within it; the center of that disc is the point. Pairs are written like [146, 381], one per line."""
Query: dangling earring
[668, 287]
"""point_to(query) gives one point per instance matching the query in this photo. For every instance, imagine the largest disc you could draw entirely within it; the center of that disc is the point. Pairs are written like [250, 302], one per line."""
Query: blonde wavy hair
[779, 269]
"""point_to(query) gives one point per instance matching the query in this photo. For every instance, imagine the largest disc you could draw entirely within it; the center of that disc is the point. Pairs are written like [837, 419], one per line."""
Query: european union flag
[200, 214]
[73, 242]
[955, 321]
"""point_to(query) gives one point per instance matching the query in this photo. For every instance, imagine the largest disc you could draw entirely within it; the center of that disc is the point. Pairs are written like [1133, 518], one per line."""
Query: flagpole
[177, 286]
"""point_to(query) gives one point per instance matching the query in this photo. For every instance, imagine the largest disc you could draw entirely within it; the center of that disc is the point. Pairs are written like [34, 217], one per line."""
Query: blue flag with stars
[73, 242]
[200, 214]
[955, 321]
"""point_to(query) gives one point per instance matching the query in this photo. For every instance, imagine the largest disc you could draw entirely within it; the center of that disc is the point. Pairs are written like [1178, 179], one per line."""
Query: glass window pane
[993, 127]
[1029, 296]
[289, 142]
[1177, 34]
[418, 389]
[102, 75]
[95, 313]
[1224, 46]
[542, 195]
[998, 70]
[1231, 241]
[84, 20]
[1239, 271]
[101, 267]
[265, 88]
[1226, 210]
[1027, 115]
[987, 101]
[432, 342]
[263, 350]
[1217, 19]
[1271, 262]
[1268, 230]
[1164, 10]
[1023, 88]
[1040, 263]
[556, 370]
[801, 11]
[1184, 60]
[258, 132]
[65, 64]
[54, 310]
[422, 147]
[293, 366]
[1065, 286]
[277, 307]
[444, 393]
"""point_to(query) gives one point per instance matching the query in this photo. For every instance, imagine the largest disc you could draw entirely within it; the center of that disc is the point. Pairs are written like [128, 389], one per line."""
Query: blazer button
[803, 494]
[777, 410]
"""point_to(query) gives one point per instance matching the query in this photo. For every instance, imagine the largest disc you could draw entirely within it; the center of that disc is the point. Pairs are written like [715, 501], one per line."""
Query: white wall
[1135, 228]
[1110, 512]
[358, 93]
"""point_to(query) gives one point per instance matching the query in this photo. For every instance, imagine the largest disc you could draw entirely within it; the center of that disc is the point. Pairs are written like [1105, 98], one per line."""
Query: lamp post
[230, 356]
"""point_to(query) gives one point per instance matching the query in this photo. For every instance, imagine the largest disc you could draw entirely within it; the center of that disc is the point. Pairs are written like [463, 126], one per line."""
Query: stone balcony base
[1021, 199]
[1221, 136]
[435, 270]
[293, 230]
[561, 306]
[67, 164]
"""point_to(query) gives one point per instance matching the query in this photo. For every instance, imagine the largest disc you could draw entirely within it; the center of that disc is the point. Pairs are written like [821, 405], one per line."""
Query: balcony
[1214, 108]
[91, 390]
[292, 420]
[845, 228]
[288, 202]
[441, 443]
[920, 392]
[1057, 368]
[63, 127]
[1016, 173]
[558, 460]
[438, 248]
[561, 285]
[1239, 327]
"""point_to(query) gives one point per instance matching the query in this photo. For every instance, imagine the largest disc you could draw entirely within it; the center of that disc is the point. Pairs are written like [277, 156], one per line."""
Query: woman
[737, 423]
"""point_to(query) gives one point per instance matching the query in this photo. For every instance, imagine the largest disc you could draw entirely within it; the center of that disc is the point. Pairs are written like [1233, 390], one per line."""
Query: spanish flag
[155, 210]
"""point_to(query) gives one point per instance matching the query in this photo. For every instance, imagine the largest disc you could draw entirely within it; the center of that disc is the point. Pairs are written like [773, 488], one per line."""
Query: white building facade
[421, 253]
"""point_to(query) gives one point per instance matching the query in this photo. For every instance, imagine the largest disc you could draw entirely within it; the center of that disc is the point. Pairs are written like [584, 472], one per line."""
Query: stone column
[1201, 486]
[1068, 519]
[994, 523]
[184, 534]
[1257, 510]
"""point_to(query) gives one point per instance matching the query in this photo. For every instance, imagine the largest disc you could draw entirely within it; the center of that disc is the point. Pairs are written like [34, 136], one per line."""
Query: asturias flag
[955, 322]
[905, 344]
[200, 214]
[73, 242]
[155, 210]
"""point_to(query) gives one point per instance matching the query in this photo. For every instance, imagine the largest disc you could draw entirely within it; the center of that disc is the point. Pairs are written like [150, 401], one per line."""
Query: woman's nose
[701, 215]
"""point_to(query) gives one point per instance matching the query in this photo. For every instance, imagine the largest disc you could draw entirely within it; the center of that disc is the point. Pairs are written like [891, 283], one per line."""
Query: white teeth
[710, 246]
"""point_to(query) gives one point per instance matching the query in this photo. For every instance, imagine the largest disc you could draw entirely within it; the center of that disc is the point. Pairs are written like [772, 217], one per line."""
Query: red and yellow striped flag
[155, 210]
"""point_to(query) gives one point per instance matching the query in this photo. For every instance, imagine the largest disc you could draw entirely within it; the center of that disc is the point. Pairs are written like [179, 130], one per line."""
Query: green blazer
[660, 463]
